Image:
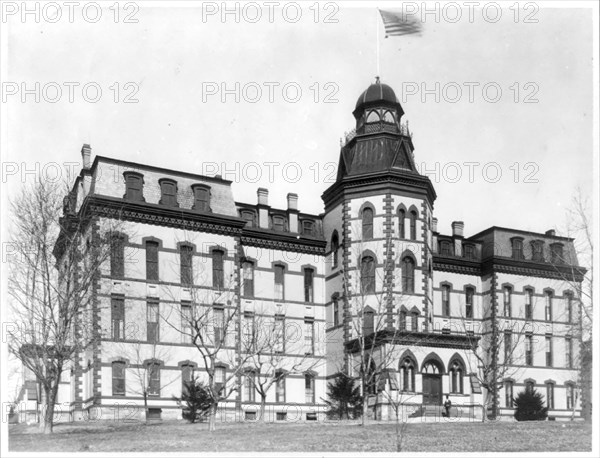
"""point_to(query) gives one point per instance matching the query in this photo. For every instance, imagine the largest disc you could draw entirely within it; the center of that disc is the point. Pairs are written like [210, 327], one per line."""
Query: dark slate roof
[376, 92]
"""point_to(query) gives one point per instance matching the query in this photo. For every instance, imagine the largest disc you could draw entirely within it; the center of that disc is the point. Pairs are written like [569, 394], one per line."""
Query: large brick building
[373, 273]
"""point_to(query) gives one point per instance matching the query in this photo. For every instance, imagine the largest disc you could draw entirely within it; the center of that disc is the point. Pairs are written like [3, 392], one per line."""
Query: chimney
[551, 232]
[292, 201]
[86, 155]
[434, 224]
[457, 228]
[263, 196]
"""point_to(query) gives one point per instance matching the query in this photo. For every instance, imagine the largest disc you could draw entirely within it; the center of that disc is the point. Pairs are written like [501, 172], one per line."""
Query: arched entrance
[431, 373]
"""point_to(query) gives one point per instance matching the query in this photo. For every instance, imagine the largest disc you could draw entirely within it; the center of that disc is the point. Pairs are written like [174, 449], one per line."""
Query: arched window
[413, 225]
[118, 378]
[430, 368]
[508, 393]
[507, 301]
[373, 116]
[367, 223]
[402, 225]
[402, 320]
[446, 300]
[249, 386]
[408, 275]
[528, 304]
[529, 385]
[335, 245]
[569, 306]
[389, 117]
[407, 375]
[248, 278]
[548, 308]
[550, 395]
[456, 377]
[570, 395]
[414, 321]
[367, 275]
[368, 322]
[469, 293]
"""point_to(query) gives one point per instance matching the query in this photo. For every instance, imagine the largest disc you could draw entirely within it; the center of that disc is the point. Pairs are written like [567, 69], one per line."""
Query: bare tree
[54, 264]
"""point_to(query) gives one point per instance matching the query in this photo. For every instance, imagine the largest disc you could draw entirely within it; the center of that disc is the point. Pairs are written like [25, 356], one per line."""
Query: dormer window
[279, 223]
[469, 252]
[445, 248]
[517, 247]
[308, 227]
[201, 197]
[556, 253]
[134, 186]
[168, 192]
[250, 217]
[537, 250]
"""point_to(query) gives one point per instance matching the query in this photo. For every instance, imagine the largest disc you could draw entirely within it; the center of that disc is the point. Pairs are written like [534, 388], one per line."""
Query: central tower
[377, 222]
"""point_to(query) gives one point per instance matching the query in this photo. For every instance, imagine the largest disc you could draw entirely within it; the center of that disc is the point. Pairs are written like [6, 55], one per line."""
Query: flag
[397, 24]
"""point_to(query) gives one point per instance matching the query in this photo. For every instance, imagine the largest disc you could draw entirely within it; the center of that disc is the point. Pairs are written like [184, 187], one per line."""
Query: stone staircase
[434, 411]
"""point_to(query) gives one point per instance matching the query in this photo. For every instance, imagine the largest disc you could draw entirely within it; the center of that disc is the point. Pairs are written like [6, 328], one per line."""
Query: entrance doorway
[432, 384]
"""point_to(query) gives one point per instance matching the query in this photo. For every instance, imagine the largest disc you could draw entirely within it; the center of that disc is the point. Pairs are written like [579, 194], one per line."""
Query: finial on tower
[377, 80]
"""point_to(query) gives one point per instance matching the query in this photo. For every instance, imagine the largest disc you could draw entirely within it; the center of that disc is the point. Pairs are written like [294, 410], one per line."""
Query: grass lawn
[294, 437]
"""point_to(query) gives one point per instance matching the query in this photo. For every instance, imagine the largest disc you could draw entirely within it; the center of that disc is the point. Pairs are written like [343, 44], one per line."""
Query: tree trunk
[263, 404]
[145, 393]
[398, 436]
[47, 424]
[212, 418]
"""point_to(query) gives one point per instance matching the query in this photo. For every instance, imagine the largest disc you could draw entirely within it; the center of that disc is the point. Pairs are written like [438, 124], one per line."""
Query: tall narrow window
[152, 261]
[537, 250]
[550, 396]
[413, 225]
[219, 327]
[117, 256]
[118, 316]
[517, 248]
[187, 334]
[248, 278]
[469, 293]
[529, 386]
[402, 320]
[407, 375]
[134, 186]
[309, 284]
[508, 347]
[402, 223]
[367, 224]
[249, 333]
[414, 319]
[185, 263]
[152, 326]
[528, 304]
[249, 386]
[368, 322]
[335, 245]
[508, 394]
[570, 396]
[201, 197]
[548, 307]
[569, 307]
[569, 352]
[217, 269]
[280, 387]
[279, 282]
[309, 389]
[556, 253]
[309, 337]
[529, 350]
[118, 378]
[456, 377]
[220, 375]
[187, 376]
[446, 300]
[408, 275]
[279, 334]
[549, 358]
[168, 192]
[367, 275]
[153, 379]
[336, 310]
[507, 301]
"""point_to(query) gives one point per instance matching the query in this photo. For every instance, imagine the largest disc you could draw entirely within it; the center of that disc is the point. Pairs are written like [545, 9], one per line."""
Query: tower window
[408, 275]
[401, 223]
[373, 117]
[335, 245]
[309, 284]
[367, 275]
[367, 223]
[413, 225]
[445, 300]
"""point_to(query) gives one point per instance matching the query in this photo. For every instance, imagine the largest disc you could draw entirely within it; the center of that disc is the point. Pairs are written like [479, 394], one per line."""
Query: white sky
[171, 52]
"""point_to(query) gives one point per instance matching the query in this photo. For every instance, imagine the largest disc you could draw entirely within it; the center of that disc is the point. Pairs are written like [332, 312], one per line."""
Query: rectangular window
[548, 307]
[308, 228]
[508, 394]
[308, 285]
[118, 317]
[219, 327]
[118, 378]
[508, 347]
[279, 334]
[168, 190]
[336, 311]
[281, 416]
[279, 223]
[280, 388]
[152, 325]
[569, 307]
[556, 253]
[309, 337]
[469, 293]
[309, 389]
[470, 252]
[134, 186]
[570, 397]
[185, 261]
[249, 332]
[507, 301]
[249, 388]
[250, 415]
[249, 217]
[537, 248]
[549, 359]
[414, 322]
[117, 256]
[528, 304]
[569, 352]
[445, 248]
[529, 350]
[152, 261]
[517, 248]
[402, 322]
[217, 269]
[187, 333]
[248, 277]
[201, 198]
[153, 379]
[446, 300]
[550, 396]
[187, 376]
[279, 282]
[220, 375]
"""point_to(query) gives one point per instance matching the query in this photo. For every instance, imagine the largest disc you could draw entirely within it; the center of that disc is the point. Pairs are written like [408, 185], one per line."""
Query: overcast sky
[174, 59]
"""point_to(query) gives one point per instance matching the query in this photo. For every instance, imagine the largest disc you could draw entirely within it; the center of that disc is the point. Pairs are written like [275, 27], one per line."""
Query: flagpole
[377, 25]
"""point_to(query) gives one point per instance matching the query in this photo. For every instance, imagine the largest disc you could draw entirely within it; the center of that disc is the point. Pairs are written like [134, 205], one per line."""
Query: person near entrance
[447, 405]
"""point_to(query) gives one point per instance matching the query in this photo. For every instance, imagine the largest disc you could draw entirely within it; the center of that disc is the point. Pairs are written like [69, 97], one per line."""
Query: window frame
[152, 260]
[367, 222]
[218, 268]
[408, 275]
[168, 199]
[122, 365]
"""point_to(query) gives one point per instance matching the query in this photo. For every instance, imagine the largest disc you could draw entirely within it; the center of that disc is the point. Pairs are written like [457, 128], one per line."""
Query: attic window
[250, 217]
[201, 197]
[279, 223]
[134, 186]
[308, 227]
[168, 191]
